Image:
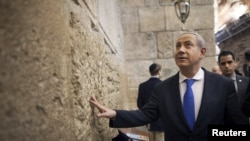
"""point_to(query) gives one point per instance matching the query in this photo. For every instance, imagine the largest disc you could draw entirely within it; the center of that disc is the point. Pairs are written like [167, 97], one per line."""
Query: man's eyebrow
[227, 62]
[188, 41]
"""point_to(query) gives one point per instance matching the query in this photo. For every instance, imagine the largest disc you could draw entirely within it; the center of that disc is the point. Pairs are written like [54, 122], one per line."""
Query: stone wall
[151, 28]
[53, 56]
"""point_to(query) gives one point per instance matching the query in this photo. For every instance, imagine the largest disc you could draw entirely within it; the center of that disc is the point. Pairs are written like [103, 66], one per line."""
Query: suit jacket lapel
[242, 85]
[208, 89]
[239, 85]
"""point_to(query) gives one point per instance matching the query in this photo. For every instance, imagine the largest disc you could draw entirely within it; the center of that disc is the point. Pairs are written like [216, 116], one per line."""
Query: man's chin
[182, 64]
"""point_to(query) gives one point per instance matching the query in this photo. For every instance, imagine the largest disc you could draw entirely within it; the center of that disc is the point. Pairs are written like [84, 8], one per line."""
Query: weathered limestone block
[169, 67]
[132, 96]
[171, 20]
[138, 67]
[133, 3]
[151, 19]
[130, 20]
[140, 46]
[165, 44]
[110, 21]
[54, 56]
[35, 79]
[201, 17]
[203, 2]
[166, 2]
[151, 3]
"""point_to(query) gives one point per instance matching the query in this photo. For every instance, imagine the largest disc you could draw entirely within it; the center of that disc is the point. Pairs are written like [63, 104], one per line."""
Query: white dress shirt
[197, 88]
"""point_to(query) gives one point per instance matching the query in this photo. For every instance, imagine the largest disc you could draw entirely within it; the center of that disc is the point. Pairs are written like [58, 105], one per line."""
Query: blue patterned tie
[188, 104]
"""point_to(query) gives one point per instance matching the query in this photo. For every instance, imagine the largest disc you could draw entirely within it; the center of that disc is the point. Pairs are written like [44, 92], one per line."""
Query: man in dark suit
[144, 92]
[214, 96]
[228, 65]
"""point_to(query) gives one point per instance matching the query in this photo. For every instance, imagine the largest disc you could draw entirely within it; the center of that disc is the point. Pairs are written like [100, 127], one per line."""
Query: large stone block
[130, 20]
[203, 2]
[171, 20]
[140, 46]
[133, 3]
[111, 24]
[200, 18]
[54, 56]
[151, 19]
[138, 68]
[169, 67]
[165, 45]
[132, 98]
[151, 3]
[166, 2]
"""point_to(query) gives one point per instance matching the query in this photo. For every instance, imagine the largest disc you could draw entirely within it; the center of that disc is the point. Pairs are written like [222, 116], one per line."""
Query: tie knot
[189, 82]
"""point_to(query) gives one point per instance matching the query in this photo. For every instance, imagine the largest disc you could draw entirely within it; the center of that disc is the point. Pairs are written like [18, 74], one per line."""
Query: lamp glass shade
[182, 9]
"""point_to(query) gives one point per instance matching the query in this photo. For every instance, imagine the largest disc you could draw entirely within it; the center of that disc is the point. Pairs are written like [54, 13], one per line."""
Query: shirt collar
[198, 76]
[155, 76]
[233, 77]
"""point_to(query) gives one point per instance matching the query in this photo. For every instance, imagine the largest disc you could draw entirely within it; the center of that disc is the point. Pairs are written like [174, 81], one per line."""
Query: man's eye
[178, 45]
[188, 45]
[223, 64]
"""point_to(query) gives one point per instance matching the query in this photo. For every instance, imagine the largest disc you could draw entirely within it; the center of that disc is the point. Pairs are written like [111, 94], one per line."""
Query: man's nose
[226, 64]
[182, 48]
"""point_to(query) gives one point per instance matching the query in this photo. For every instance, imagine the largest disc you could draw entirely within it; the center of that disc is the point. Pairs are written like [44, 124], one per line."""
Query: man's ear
[203, 52]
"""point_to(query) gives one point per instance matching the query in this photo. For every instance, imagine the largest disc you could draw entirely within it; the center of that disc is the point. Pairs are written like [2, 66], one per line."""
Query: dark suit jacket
[242, 83]
[246, 102]
[145, 90]
[219, 105]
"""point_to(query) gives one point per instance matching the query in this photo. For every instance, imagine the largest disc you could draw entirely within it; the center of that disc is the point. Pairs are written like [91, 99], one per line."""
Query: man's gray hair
[200, 40]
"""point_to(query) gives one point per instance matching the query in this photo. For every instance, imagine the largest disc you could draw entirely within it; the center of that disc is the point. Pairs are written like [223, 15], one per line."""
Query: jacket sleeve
[126, 119]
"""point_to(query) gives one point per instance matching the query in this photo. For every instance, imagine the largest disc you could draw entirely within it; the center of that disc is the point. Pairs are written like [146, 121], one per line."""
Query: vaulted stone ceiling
[230, 10]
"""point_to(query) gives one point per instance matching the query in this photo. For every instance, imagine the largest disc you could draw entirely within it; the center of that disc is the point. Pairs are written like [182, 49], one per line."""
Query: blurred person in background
[144, 92]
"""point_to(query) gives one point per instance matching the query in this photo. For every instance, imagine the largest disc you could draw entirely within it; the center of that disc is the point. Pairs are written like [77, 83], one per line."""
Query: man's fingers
[100, 115]
[97, 105]
[94, 101]
[92, 98]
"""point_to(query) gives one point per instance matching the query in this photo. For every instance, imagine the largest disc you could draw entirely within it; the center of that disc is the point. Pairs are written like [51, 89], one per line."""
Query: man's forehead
[186, 37]
[227, 57]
